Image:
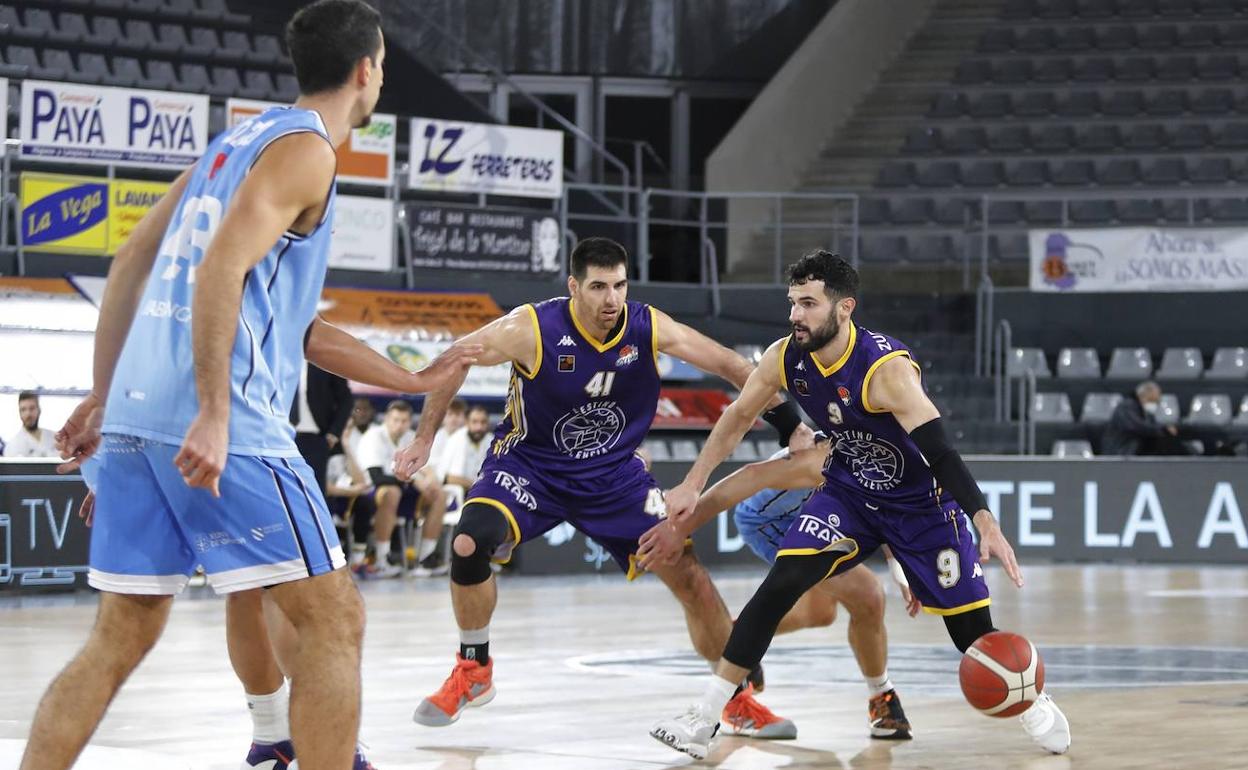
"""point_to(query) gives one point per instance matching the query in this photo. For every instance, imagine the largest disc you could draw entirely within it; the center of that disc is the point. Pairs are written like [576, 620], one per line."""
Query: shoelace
[692, 716]
[880, 706]
[1035, 716]
[751, 709]
[456, 686]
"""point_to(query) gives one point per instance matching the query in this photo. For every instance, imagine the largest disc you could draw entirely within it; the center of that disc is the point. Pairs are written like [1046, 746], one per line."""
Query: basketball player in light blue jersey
[203, 329]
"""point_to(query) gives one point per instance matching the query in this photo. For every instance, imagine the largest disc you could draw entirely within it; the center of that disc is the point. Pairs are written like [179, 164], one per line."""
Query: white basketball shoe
[691, 732]
[1047, 725]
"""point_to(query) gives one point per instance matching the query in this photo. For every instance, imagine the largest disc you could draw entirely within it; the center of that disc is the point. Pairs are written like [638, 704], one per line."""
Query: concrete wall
[806, 104]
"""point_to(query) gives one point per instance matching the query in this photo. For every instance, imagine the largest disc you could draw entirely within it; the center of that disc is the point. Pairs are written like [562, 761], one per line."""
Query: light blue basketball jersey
[153, 390]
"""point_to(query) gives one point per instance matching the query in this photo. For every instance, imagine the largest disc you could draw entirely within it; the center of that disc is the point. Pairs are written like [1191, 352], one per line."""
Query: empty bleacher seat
[1012, 72]
[684, 450]
[1119, 172]
[170, 38]
[1159, 37]
[751, 353]
[884, 248]
[1035, 40]
[1242, 417]
[1146, 137]
[1214, 101]
[1191, 137]
[57, 65]
[947, 105]
[1053, 71]
[871, 211]
[257, 84]
[1228, 364]
[923, 140]
[1130, 364]
[1023, 360]
[1135, 69]
[1210, 171]
[70, 28]
[932, 248]
[1177, 69]
[1043, 212]
[1095, 70]
[658, 450]
[1074, 173]
[1181, 364]
[1078, 363]
[745, 452]
[1099, 407]
[1119, 38]
[895, 175]
[126, 72]
[1228, 210]
[1166, 103]
[1233, 136]
[1092, 212]
[911, 211]
[235, 47]
[950, 212]
[1098, 138]
[990, 106]
[1096, 9]
[225, 82]
[266, 50]
[1080, 104]
[1138, 212]
[1198, 36]
[988, 173]
[973, 73]
[966, 141]
[1053, 139]
[1072, 448]
[1210, 409]
[194, 78]
[1051, 408]
[1027, 173]
[204, 42]
[1168, 409]
[1164, 172]
[160, 76]
[938, 174]
[1221, 67]
[1005, 212]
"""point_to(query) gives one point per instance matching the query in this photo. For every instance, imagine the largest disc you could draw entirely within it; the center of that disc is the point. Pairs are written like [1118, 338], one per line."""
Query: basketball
[1001, 674]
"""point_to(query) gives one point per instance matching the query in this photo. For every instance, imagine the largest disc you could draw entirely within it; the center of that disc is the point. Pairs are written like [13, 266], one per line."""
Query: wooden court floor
[1149, 663]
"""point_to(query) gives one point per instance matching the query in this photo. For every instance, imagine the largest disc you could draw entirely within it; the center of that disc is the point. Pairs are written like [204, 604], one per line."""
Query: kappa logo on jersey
[801, 386]
[978, 572]
[518, 486]
[801, 366]
[566, 342]
[834, 414]
[628, 354]
[819, 528]
[590, 430]
[567, 363]
[843, 392]
[873, 462]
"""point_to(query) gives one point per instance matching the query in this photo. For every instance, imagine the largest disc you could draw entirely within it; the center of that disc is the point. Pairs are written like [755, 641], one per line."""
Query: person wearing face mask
[1133, 428]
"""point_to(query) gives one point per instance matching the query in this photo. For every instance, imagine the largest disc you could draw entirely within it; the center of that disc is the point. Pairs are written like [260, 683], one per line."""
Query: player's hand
[681, 501]
[204, 451]
[661, 546]
[801, 438]
[992, 543]
[913, 605]
[79, 437]
[331, 440]
[86, 511]
[451, 364]
[411, 458]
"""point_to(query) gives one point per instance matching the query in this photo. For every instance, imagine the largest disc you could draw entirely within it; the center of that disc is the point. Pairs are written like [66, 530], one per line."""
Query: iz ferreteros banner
[458, 157]
[367, 158]
[83, 215]
[99, 125]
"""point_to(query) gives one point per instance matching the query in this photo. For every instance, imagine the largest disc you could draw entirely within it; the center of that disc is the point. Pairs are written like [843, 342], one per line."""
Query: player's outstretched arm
[510, 338]
[289, 184]
[698, 350]
[341, 353]
[896, 388]
[758, 391]
[799, 470]
[127, 277]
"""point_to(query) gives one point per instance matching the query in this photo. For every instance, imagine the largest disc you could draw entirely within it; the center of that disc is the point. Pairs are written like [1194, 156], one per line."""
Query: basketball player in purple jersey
[209, 314]
[891, 478]
[584, 390]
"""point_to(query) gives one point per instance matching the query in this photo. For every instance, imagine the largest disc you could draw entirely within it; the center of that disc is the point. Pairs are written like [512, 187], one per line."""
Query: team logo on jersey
[978, 572]
[628, 354]
[843, 392]
[801, 366]
[567, 363]
[590, 430]
[566, 342]
[802, 388]
[217, 163]
[834, 414]
[873, 462]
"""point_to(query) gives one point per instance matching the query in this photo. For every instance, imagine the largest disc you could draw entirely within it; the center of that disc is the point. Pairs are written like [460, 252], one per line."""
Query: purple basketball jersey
[587, 405]
[871, 454]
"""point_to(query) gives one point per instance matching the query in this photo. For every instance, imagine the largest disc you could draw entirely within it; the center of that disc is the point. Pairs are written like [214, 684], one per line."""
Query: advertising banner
[367, 158]
[428, 312]
[1139, 259]
[363, 237]
[414, 355]
[82, 215]
[506, 240]
[457, 157]
[100, 125]
[42, 540]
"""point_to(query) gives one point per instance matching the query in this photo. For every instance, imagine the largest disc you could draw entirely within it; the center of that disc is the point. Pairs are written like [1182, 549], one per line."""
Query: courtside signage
[1139, 259]
[69, 123]
[367, 158]
[363, 236]
[457, 157]
[83, 215]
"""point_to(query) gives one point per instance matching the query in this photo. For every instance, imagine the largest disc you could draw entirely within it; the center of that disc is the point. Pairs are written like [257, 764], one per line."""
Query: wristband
[784, 419]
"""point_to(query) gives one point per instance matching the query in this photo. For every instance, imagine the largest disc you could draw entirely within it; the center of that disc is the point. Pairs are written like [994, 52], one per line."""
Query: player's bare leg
[432, 509]
[387, 499]
[126, 628]
[328, 617]
[710, 625]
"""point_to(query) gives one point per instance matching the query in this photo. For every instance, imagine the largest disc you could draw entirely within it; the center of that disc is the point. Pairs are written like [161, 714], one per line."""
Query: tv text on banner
[100, 125]
[367, 157]
[457, 157]
[363, 236]
[1139, 259]
[82, 215]
[513, 240]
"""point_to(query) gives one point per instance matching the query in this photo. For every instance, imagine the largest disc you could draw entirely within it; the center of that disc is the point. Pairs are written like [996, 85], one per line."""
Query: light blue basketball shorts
[151, 530]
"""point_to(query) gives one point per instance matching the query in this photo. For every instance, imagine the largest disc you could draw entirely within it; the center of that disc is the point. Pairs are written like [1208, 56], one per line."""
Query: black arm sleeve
[784, 419]
[947, 466]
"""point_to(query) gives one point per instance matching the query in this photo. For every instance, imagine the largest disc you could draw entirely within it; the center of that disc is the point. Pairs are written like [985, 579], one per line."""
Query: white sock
[878, 685]
[270, 716]
[382, 551]
[718, 692]
[426, 547]
[358, 553]
[474, 635]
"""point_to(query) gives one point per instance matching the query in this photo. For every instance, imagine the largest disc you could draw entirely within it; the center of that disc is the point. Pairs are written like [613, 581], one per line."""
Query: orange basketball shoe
[746, 717]
[469, 685]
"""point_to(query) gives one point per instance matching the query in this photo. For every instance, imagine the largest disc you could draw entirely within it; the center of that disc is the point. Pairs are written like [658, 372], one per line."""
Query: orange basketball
[1001, 674]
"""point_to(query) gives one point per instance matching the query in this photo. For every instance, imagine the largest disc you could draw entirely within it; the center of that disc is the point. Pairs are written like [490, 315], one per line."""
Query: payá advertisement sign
[457, 157]
[83, 215]
[366, 158]
[94, 124]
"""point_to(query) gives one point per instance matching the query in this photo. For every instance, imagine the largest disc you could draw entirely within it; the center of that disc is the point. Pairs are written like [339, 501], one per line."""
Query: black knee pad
[789, 578]
[966, 627]
[488, 528]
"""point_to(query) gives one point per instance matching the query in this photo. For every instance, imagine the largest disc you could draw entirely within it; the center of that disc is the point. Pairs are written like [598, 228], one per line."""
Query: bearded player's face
[812, 315]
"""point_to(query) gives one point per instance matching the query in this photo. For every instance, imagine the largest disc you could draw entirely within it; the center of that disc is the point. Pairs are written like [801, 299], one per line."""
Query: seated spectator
[375, 454]
[465, 450]
[1133, 428]
[348, 492]
[31, 440]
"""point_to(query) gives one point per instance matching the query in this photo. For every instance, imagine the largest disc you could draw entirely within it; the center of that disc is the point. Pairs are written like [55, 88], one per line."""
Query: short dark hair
[327, 38]
[478, 408]
[457, 406]
[399, 405]
[27, 395]
[840, 279]
[596, 252]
